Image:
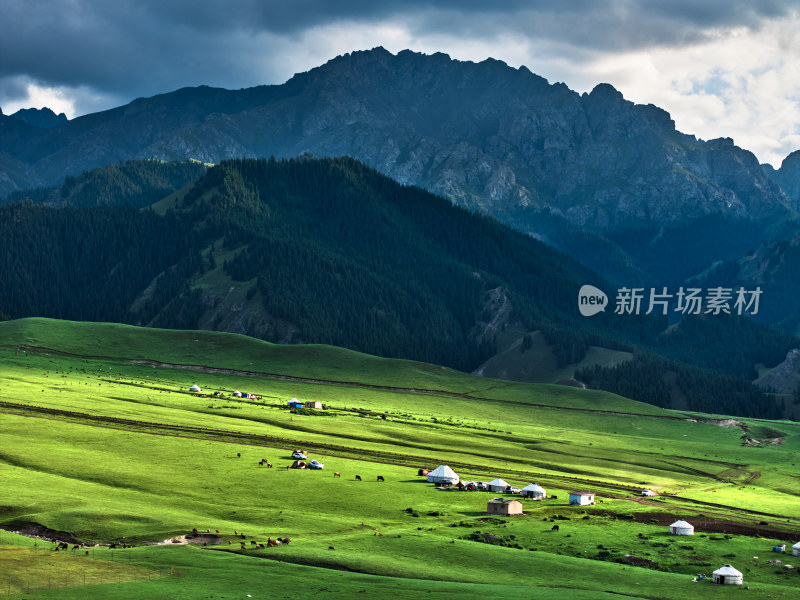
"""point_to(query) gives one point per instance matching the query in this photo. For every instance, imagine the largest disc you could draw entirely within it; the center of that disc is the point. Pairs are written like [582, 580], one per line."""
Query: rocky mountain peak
[40, 117]
[784, 378]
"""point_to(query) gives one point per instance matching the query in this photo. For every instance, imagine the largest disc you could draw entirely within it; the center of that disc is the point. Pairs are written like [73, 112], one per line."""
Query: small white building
[497, 485]
[796, 549]
[681, 528]
[195, 388]
[534, 491]
[443, 475]
[727, 575]
[581, 498]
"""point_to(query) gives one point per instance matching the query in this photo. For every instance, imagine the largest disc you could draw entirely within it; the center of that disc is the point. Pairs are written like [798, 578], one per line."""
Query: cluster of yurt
[444, 475]
[796, 549]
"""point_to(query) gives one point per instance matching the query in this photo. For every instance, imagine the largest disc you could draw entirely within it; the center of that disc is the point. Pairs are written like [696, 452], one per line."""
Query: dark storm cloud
[125, 49]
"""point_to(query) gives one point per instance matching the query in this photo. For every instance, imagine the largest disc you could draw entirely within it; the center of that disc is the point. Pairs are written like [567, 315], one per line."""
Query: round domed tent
[681, 528]
[727, 575]
[443, 474]
[796, 549]
[195, 388]
[534, 491]
[496, 485]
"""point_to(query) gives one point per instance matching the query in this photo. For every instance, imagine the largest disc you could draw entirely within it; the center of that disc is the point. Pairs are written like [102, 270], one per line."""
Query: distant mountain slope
[303, 250]
[134, 183]
[484, 135]
[40, 117]
[330, 251]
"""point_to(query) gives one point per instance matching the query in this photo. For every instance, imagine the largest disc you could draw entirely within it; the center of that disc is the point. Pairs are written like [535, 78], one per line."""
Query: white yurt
[534, 491]
[796, 549]
[443, 474]
[496, 485]
[727, 575]
[681, 528]
[195, 388]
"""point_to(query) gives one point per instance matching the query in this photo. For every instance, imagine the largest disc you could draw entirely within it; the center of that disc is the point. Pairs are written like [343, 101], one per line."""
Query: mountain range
[610, 183]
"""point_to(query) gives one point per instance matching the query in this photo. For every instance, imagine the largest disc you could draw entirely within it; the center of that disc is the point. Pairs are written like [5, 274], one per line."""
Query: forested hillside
[330, 251]
[134, 183]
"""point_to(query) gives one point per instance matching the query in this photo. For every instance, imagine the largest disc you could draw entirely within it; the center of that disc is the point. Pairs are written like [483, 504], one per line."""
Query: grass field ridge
[116, 451]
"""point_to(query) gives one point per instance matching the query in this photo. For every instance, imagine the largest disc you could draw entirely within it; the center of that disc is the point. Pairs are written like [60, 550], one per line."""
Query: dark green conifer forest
[343, 255]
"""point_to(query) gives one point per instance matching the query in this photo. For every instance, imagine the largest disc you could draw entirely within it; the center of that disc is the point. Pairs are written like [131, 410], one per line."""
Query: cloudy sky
[722, 68]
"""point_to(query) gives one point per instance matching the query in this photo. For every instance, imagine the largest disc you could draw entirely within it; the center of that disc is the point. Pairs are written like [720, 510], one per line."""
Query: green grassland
[101, 438]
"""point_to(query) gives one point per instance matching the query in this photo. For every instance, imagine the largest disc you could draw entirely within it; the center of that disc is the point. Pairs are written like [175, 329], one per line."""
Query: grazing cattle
[253, 542]
[217, 530]
[554, 528]
[380, 477]
[194, 531]
[87, 553]
[337, 474]
[259, 547]
[76, 547]
[269, 465]
[286, 540]
[358, 477]
[331, 548]
[238, 455]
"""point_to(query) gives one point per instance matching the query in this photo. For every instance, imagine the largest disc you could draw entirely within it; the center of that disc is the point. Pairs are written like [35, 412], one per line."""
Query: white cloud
[56, 99]
[742, 84]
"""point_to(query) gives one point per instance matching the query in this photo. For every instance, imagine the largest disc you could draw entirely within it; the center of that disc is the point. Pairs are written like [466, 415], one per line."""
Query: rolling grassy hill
[102, 438]
[329, 251]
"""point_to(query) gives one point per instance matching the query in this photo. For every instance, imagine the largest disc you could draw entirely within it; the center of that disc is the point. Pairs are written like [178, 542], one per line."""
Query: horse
[337, 474]
[554, 528]
[380, 477]
[358, 477]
